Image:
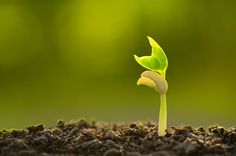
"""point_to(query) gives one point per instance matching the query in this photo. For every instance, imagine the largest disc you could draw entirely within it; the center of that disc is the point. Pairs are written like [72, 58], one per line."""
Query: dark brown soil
[137, 139]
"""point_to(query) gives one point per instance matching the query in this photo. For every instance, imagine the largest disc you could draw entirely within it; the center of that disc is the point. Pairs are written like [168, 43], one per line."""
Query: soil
[84, 138]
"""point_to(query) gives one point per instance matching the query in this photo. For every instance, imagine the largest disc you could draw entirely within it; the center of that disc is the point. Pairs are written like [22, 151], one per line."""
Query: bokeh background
[69, 59]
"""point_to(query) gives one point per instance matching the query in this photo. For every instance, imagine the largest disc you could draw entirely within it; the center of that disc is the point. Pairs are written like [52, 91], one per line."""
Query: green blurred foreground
[71, 59]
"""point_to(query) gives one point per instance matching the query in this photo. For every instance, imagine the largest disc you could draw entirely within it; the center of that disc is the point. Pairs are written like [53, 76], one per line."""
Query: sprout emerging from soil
[154, 77]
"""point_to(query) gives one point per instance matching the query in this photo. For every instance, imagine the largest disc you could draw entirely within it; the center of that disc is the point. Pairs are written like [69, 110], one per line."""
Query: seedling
[154, 77]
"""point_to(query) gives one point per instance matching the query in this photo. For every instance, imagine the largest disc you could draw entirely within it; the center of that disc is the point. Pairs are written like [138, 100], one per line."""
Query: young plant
[154, 77]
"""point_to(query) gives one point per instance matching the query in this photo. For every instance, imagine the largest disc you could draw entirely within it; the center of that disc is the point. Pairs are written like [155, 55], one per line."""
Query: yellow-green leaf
[157, 61]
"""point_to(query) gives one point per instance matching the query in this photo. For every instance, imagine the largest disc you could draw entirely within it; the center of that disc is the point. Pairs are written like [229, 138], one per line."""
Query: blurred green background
[69, 59]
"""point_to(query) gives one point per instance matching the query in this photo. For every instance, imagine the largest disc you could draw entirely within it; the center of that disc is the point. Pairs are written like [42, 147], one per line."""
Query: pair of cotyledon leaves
[156, 64]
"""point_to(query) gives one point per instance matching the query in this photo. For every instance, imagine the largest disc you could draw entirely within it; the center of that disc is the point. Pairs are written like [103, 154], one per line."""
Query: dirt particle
[91, 144]
[113, 152]
[133, 125]
[42, 140]
[111, 135]
[133, 154]
[35, 128]
[60, 124]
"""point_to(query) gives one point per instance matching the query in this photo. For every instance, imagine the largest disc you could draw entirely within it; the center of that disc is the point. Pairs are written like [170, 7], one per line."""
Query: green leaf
[157, 61]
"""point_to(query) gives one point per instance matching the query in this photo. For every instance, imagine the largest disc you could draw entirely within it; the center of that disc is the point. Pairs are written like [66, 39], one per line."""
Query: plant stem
[162, 116]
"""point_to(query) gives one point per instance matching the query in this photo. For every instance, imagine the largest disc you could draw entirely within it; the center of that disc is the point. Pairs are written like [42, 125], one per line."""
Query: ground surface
[136, 139]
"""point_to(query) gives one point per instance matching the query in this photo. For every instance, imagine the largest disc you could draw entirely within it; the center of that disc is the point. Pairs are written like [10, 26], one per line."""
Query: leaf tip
[152, 42]
[136, 58]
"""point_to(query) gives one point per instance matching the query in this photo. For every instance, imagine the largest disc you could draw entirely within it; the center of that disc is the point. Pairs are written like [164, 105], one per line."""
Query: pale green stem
[162, 116]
